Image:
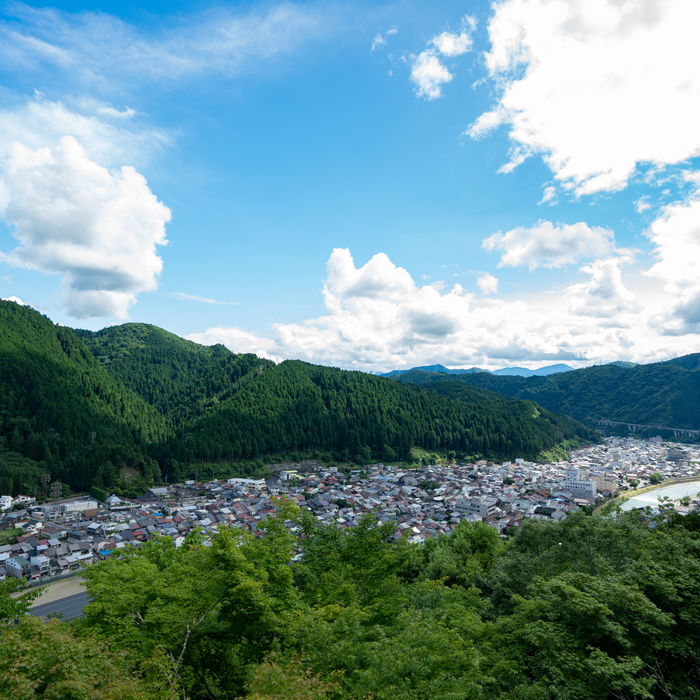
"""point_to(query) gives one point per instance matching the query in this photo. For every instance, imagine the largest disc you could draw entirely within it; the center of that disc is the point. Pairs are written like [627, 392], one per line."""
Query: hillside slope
[663, 393]
[297, 407]
[53, 394]
[181, 379]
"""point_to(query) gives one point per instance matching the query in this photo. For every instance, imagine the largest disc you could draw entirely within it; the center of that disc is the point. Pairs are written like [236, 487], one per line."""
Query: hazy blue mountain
[441, 369]
[524, 372]
[506, 371]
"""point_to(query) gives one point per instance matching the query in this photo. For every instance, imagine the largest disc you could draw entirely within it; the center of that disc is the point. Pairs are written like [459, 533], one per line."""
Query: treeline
[662, 393]
[586, 609]
[131, 405]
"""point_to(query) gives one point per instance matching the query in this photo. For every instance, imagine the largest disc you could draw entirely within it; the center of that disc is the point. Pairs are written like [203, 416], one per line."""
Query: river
[651, 498]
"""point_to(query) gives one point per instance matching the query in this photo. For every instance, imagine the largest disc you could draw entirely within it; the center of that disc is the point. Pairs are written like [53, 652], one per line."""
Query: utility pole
[45, 484]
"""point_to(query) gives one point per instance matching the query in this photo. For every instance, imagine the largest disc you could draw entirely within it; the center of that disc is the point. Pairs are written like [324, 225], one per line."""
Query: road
[71, 606]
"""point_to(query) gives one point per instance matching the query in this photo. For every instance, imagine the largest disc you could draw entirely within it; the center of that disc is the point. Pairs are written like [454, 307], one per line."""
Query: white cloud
[455, 44]
[379, 318]
[487, 283]
[597, 87]
[377, 42]
[204, 300]
[102, 49]
[237, 340]
[604, 296]
[675, 234]
[17, 300]
[37, 123]
[428, 75]
[642, 204]
[550, 245]
[96, 228]
[549, 196]
[380, 40]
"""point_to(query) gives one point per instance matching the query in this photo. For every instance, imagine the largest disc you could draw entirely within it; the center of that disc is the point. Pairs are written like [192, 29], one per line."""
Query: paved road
[71, 606]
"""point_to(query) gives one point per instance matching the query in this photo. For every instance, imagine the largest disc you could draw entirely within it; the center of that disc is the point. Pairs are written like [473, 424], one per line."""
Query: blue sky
[367, 185]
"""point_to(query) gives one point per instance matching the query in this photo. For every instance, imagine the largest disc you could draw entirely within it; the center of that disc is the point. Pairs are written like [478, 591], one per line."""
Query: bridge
[632, 427]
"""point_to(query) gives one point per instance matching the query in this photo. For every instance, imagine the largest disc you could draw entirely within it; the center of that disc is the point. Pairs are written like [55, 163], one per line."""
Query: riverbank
[627, 495]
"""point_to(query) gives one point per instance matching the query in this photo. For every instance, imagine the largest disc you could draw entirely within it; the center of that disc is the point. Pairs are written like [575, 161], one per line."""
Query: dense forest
[133, 404]
[590, 608]
[662, 393]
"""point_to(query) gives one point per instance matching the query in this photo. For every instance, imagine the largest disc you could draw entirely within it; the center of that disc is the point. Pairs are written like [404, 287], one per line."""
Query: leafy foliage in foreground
[585, 609]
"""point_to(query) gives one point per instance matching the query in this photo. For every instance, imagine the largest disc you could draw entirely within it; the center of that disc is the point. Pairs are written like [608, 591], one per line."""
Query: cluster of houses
[60, 538]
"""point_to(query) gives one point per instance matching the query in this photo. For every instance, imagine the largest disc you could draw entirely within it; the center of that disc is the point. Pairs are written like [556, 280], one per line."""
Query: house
[18, 566]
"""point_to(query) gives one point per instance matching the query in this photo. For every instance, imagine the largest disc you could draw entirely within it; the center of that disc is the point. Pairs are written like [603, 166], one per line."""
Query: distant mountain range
[506, 371]
[661, 393]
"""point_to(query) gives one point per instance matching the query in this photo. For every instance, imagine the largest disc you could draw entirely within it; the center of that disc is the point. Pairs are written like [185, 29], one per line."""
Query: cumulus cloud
[237, 340]
[379, 318]
[455, 44]
[675, 234]
[550, 245]
[604, 296]
[487, 283]
[97, 228]
[17, 300]
[428, 74]
[596, 87]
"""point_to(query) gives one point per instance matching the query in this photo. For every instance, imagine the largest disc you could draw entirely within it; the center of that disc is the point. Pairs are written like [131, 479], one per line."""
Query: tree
[656, 478]
[46, 660]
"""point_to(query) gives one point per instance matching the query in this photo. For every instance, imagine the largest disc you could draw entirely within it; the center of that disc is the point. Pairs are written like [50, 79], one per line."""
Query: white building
[579, 487]
[256, 484]
[5, 503]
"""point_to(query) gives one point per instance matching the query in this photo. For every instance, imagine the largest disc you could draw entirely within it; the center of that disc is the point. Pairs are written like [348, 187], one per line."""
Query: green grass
[7, 535]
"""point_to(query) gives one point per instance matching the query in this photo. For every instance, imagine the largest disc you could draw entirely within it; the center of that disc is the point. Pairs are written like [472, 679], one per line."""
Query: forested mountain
[132, 404]
[663, 393]
[181, 379]
[297, 407]
[53, 394]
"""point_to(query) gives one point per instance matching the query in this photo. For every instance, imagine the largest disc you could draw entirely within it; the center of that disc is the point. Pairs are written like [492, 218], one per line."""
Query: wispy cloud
[380, 40]
[204, 300]
[92, 47]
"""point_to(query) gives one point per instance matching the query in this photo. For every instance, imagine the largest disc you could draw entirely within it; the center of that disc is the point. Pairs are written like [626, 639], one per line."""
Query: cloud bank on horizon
[605, 92]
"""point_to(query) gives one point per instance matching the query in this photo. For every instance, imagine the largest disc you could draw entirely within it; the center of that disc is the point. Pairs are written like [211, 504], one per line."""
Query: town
[57, 539]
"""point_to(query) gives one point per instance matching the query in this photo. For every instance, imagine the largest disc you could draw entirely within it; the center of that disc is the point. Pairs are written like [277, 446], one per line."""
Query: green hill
[662, 393]
[158, 403]
[297, 407]
[53, 394]
[181, 379]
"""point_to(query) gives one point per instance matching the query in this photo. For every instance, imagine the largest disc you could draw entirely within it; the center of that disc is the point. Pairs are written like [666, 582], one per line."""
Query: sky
[367, 185]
